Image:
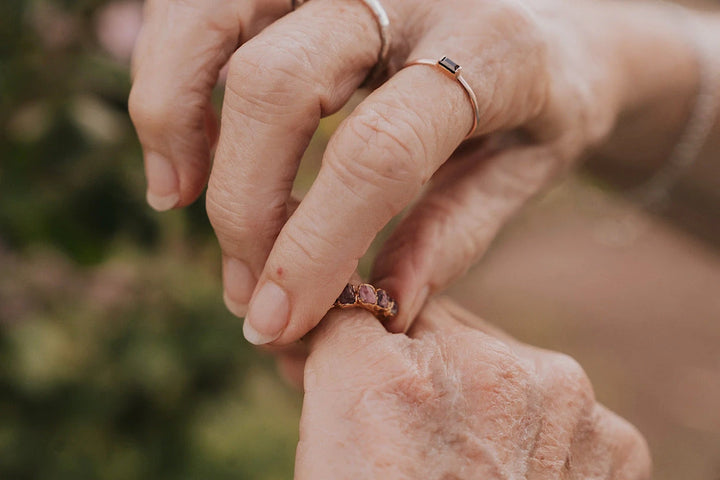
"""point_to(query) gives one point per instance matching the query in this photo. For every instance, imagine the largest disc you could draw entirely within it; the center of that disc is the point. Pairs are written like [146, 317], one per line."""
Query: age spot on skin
[279, 271]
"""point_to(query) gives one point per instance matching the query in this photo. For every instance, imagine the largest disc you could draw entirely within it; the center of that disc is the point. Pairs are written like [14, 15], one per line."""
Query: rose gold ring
[365, 296]
[454, 70]
[383, 22]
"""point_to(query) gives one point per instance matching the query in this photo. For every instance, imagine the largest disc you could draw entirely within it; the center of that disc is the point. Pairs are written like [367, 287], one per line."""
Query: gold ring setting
[365, 296]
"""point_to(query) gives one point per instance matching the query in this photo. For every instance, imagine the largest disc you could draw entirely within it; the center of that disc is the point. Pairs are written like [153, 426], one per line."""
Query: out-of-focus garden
[118, 359]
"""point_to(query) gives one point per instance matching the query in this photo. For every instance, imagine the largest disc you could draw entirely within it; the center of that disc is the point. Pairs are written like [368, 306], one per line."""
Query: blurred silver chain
[654, 193]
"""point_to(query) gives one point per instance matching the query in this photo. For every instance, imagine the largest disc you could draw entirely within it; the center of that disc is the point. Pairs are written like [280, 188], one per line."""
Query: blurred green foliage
[117, 357]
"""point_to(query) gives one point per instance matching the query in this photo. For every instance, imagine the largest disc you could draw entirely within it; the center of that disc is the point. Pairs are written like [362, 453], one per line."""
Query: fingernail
[239, 283]
[163, 189]
[268, 315]
[237, 309]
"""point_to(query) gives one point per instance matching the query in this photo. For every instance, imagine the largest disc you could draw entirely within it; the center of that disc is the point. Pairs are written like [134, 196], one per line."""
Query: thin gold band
[455, 71]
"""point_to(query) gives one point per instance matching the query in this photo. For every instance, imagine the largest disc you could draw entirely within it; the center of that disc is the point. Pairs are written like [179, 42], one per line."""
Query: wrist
[659, 51]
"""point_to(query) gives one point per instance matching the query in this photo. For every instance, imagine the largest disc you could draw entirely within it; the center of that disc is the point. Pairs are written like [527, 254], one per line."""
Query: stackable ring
[367, 297]
[383, 22]
[454, 70]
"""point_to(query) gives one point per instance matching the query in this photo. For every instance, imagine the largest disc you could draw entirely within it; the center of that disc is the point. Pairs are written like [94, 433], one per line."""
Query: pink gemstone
[366, 294]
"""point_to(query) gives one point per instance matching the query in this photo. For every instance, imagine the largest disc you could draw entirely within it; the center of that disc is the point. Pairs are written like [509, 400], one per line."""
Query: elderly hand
[451, 401]
[551, 77]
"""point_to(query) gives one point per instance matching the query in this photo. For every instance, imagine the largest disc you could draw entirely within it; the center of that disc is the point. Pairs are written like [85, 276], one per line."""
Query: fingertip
[162, 203]
[268, 314]
[238, 282]
[163, 192]
[416, 307]
[237, 309]
[256, 338]
[410, 300]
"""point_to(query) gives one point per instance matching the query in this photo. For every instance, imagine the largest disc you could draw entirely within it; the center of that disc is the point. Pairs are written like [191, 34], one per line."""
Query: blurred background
[119, 361]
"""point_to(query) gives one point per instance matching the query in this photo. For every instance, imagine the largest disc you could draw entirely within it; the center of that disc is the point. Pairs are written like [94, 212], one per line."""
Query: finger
[180, 51]
[612, 441]
[455, 221]
[290, 360]
[342, 329]
[292, 369]
[438, 315]
[451, 315]
[373, 167]
[279, 84]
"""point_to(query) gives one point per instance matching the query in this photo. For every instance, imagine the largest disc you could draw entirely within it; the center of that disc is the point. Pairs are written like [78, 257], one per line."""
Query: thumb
[469, 199]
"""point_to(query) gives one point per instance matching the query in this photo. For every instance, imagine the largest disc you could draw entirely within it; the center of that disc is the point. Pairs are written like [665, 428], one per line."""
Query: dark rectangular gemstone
[449, 65]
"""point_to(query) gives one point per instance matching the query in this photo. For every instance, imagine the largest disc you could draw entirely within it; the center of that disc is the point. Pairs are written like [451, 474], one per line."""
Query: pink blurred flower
[117, 26]
[56, 28]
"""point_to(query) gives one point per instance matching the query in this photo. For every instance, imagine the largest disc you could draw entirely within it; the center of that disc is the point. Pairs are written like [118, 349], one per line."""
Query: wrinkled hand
[452, 402]
[549, 84]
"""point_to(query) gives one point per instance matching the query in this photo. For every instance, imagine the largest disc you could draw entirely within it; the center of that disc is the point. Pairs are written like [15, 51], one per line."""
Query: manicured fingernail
[163, 186]
[239, 283]
[268, 315]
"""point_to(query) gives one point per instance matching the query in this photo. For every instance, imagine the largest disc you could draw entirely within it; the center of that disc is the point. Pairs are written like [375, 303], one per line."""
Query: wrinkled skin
[551, 76]
[453, 400]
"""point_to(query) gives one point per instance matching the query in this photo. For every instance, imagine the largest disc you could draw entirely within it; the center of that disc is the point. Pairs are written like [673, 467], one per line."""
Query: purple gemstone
[394, 309]
[383, 301]
[366, 294]
[347, 297]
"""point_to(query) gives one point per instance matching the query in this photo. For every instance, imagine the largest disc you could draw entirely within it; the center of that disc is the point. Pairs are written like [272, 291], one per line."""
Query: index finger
[375, 164]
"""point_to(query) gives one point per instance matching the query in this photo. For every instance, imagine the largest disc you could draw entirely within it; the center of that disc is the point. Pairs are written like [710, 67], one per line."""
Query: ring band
[383, 22]
[365, 296]
[454, 70]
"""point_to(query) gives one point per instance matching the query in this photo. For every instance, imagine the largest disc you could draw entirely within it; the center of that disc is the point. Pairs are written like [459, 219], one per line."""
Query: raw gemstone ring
[375, 300]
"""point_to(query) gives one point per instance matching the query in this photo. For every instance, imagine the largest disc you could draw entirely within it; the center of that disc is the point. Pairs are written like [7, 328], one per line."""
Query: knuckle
[230, 218]
[157, 113]
[383, 158]
[144, 109]
[389, 133]
[614, 442]
[517, 23]
[505, 372]
[218, 213]
[267, 77]
[313, 247]
[567, 377]
[632, 454]
[409, 382]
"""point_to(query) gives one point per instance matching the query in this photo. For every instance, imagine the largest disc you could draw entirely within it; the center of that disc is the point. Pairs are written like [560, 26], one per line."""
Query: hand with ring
[454, 399]
[536, 83]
